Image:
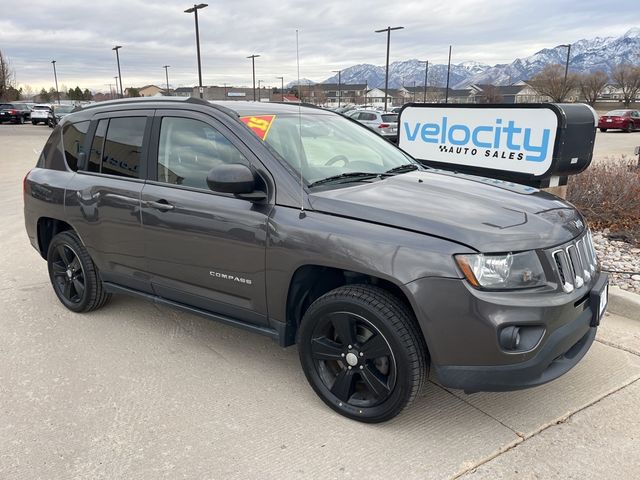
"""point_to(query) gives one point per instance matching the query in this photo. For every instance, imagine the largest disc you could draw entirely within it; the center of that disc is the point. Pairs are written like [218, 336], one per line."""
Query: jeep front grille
[576, 263]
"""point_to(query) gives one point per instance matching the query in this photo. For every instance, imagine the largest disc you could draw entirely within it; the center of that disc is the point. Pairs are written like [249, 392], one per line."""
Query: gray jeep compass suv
[307, 227]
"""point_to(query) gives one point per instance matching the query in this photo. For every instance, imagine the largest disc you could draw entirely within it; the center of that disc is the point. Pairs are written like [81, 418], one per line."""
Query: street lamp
[446, 95]
[281, 88]
[566, 69]
[116, 48]
[55, 76]
[253, 67]
[426, 79]
[386, 75]
[166, 73]
[194, 10]
[339, 86]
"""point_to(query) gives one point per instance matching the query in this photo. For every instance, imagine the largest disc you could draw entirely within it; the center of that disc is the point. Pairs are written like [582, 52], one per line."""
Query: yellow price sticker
[260, 125]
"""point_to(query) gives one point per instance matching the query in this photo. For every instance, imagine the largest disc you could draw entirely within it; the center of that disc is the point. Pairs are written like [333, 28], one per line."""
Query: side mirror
[234, 178]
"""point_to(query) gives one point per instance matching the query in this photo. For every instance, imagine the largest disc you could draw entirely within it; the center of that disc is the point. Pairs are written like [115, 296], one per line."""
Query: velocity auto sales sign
[517, 140]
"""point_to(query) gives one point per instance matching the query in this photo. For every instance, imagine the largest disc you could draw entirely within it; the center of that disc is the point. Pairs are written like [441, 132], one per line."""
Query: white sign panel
[512, 139]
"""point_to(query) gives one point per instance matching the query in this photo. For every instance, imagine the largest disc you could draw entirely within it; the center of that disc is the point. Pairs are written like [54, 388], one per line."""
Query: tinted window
[123, 146]
[73, 139]
[392, 118]
[189, 148]
[367, 116]
[95, 156]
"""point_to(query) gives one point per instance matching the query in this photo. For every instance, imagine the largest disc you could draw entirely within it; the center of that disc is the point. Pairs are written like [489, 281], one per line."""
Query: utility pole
[194, 10]
[253, 67]
[116, 48]
[426, 80]
[566, 70]
[446, 95]
[386, 75]
[339, 86]
[55, 76]
[281, 88]
[259, 92]
[166, 72]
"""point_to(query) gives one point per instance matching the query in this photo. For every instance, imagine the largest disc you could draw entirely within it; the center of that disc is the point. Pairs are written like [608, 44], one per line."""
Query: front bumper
[463, 333]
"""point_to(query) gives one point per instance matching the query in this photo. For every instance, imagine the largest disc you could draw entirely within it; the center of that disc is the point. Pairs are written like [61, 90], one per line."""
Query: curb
[623, 303]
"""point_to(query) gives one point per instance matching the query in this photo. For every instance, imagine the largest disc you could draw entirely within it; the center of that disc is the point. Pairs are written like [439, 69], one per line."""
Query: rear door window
[116, 148]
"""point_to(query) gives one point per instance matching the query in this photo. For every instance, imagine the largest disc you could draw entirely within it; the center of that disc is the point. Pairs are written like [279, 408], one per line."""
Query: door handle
[162, 205]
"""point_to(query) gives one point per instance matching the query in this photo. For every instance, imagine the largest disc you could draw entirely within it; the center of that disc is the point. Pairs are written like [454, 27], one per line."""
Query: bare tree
[627, 79]
[7, 76]
[550, 82]
[591, 85]
[491, 94]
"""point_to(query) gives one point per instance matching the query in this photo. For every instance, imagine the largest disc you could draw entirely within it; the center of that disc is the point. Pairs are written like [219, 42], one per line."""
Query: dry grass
[608, 194]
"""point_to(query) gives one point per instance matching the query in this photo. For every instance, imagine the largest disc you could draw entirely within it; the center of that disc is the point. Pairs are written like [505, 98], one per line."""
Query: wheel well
[310, 282]
[47, 229]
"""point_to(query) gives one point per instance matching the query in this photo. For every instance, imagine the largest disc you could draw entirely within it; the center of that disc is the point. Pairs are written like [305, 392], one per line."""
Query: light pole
[281, 88]
[166, 73]
[116, 48]
[426, 80]
[566, 69]
[253, 68]
[339, 86]
[194, 10]
[446, 94]
[259, 93]
[55, 76]
[386, 75]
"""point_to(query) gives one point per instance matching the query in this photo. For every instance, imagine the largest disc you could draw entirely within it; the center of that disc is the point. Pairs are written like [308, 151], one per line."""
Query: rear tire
[74, 276]
[33, 122]
[603, 130]
[629, 128]
[362, 352]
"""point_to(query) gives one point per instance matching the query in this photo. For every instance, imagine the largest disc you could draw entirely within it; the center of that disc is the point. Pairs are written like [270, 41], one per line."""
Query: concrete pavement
[137, 390]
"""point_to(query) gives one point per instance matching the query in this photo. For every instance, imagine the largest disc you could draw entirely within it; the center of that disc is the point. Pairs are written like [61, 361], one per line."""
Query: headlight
[513, 270]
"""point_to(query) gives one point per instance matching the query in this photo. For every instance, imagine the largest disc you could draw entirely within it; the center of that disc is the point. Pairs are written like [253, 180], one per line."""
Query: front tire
[603, 130]
[74, 277]
[629, 128]
[362, 352]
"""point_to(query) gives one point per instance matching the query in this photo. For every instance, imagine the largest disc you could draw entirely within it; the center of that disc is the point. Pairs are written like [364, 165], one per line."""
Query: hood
[486, 214]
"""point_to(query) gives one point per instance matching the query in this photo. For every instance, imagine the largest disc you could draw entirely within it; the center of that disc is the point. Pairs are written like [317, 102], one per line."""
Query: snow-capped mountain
[406, 73]
[586, 56]
[600, 53]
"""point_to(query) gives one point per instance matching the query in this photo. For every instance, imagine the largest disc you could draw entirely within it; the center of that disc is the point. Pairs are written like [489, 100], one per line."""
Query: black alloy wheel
[68, 275]
[73, 275]
[362, 352]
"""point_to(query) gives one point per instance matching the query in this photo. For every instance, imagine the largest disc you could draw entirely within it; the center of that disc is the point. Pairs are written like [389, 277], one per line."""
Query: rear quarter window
[73, 136]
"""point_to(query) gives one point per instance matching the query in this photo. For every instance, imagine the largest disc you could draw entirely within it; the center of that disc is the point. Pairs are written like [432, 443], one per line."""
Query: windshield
[64, 109]
[326, 145]
[616, 113]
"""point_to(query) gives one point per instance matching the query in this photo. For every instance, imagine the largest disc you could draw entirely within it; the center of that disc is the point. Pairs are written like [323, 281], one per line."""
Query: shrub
[608, 194]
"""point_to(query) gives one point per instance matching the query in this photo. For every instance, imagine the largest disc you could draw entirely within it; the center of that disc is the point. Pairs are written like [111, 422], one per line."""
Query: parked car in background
[40, 113]
[58, 112]
[627, 120]
[383, 123]
[14, 112]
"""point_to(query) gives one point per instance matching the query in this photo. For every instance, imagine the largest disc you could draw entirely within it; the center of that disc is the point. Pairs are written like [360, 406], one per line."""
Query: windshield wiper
[407, 167]
[349, 176]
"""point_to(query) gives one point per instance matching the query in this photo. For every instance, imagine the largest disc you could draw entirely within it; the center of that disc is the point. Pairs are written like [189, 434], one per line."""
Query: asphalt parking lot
[137, 390]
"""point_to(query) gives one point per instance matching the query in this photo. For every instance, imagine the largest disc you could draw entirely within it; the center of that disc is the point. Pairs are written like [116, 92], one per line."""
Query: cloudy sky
[79, 35]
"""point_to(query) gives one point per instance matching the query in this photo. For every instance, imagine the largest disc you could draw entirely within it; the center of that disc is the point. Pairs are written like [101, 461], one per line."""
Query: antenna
[302, 214]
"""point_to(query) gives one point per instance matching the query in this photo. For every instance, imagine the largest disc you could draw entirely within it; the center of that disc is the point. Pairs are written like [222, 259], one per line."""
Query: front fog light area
[520, 338]
[512, 270]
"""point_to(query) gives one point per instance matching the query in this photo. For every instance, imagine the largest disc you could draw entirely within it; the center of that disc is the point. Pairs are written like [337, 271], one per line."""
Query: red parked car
[627, 120]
